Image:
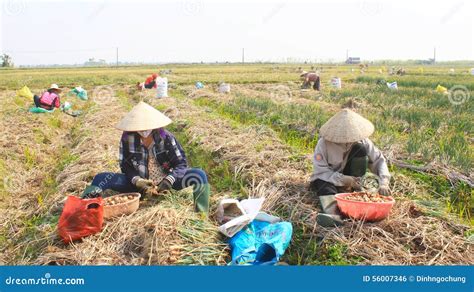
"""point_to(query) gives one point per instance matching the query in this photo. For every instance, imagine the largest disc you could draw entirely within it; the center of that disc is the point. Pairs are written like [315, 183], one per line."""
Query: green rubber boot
[91, 192]
[331, 216]
[201, 198]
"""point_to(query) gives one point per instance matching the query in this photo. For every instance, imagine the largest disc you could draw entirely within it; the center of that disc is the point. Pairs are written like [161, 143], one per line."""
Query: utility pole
[243, 55]
[347, 54]
[116, 60]
[434, 55]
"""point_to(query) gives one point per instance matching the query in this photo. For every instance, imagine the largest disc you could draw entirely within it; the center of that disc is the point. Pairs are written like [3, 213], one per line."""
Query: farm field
[255, 141]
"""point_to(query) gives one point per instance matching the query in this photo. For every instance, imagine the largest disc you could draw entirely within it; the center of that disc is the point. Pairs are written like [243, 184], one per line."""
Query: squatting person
[150, 158]
[49, 99]
[149, 83]
[342, 155]
[310, 77]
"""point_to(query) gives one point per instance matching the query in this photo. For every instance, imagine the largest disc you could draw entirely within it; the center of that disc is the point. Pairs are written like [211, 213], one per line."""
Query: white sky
[59, 32]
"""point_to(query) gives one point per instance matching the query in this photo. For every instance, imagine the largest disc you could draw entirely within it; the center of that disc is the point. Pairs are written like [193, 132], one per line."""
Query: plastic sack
[25, 92]
[199, 85]
[472, 71]
[224, 88]
[66, 106]
[161, 87]
[79, 92]
[236, 215]
[80, 218]
[336, 82]
[441, 89]
[40, 110]
[260, 243]
[392, 85]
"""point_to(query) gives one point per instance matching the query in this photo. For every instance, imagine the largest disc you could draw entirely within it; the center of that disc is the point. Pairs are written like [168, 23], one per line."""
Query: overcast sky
[68, 32]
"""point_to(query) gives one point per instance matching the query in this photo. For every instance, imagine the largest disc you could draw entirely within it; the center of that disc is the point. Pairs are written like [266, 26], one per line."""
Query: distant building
[430, 61]
[353, 60]
[94, 62]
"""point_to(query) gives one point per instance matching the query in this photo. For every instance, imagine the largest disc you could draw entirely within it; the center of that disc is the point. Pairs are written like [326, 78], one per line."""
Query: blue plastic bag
[199, 85]
[39, 110]
[79, 92]
[260, 243]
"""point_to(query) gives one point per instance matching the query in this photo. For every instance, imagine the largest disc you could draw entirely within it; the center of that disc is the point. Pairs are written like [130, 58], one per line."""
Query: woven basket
[124, 208]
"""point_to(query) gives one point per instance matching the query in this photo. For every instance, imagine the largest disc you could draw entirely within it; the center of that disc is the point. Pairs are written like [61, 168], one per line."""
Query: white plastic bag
[224, 88]
[250, 208]
[472, 71]
[161, 87]
[336, 82]
[229, 209]
[392, 85]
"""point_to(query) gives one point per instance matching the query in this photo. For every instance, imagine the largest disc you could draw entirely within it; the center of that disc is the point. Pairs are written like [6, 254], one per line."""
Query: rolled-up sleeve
[321, 168]
[377, 162]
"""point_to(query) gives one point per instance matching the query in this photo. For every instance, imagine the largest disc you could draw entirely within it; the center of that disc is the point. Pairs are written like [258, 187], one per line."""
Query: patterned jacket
[170, 155]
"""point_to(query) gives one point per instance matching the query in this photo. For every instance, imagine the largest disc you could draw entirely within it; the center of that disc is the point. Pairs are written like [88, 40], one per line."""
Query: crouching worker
[151, 160]
[49, 99]
[149, 83]
[342, 155]
[310, 77]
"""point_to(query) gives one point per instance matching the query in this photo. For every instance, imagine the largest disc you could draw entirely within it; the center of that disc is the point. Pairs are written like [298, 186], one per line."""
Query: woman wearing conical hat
[151, 159]
[342, 155]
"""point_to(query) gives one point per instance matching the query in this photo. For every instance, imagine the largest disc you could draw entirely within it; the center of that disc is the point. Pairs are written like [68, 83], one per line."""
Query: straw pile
[256, 153]
[407, 237]
[161, 232]
[29, 147]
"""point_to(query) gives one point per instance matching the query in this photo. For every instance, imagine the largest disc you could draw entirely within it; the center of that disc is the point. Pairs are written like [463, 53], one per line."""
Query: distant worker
[49, 99]
[149, 83]
[342, 155]
[401, 71]
[310, 77]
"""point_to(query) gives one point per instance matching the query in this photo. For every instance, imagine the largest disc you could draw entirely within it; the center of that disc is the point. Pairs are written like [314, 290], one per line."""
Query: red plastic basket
[368, 211]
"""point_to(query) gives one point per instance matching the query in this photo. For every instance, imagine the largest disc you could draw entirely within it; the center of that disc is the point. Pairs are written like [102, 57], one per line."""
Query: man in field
[342, 156]
[308, 78]
[151, 160]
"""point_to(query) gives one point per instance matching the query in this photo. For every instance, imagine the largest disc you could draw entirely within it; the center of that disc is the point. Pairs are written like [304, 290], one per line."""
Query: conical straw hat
[346, 127]
[143, 117]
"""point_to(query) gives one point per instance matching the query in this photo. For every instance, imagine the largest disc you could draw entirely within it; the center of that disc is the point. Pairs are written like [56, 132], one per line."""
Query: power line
[58, 51]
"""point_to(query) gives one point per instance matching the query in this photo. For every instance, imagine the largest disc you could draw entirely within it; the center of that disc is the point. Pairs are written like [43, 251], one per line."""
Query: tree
[7, 60]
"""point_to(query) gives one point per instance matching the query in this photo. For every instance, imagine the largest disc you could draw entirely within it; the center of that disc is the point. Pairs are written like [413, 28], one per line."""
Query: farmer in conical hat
[342, 155]
[151, 159]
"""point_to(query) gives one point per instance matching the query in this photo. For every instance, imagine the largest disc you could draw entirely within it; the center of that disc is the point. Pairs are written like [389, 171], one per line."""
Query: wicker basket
[124, 208]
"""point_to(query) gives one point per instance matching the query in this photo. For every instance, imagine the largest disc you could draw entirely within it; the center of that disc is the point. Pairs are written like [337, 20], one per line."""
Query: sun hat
[303, 73]
[346, 127]
[143, 117]
[54, 86]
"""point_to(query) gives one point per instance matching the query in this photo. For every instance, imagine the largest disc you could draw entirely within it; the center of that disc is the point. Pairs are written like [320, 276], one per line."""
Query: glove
[144, 184]
[384, 190]
[350, 181]
[164, 185]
